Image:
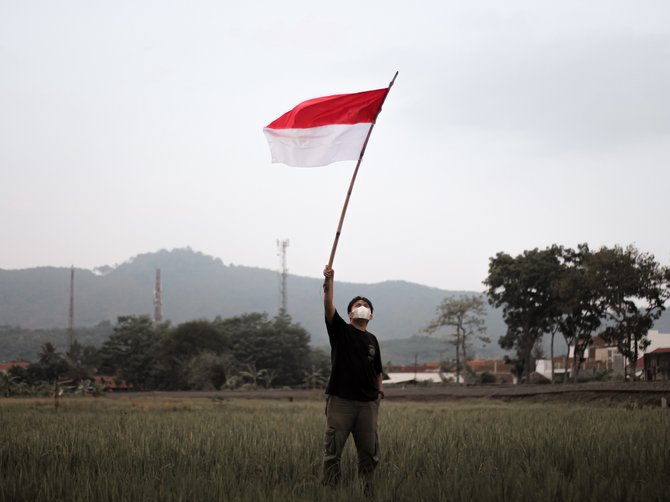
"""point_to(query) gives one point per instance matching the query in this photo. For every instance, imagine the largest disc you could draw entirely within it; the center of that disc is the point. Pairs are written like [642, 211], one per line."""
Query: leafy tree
[131, 351]
[465, 316]
[8, 384]
[314, 378]
[82, 360]
[276, 345]
[577, 295]
[522, 286]
[292, 353]
[50, 366]
[193, 337]
[249, 375]
[266, 377]
[206, 371]
[635, 289]
[182, 344]
[576, 292]
[318, 359]
[19, 375]
[241, 324]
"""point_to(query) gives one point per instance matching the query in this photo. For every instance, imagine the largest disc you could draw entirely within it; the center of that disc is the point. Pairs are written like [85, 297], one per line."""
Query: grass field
[141, 449]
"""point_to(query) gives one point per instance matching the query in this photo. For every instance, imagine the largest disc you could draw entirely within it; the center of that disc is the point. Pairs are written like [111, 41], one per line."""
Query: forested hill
[198, 286]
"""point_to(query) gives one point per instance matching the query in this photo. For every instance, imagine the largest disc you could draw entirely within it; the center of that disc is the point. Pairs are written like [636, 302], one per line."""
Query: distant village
[600, 360]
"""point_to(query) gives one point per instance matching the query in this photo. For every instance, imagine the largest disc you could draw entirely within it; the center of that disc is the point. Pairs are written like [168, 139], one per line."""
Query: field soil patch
[632, 393]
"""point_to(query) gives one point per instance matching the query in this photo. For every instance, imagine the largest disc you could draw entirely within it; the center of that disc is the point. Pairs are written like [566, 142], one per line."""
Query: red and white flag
[324, 130]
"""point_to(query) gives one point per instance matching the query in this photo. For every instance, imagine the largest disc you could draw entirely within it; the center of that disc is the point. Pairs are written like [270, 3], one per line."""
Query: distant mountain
[195, 286]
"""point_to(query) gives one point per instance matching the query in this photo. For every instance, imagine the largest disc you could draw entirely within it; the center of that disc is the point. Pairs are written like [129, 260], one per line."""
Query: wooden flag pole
[353, 178]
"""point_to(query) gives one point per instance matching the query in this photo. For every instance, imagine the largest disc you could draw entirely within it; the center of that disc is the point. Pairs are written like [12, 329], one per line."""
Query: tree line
[244, 351]
[616, 293]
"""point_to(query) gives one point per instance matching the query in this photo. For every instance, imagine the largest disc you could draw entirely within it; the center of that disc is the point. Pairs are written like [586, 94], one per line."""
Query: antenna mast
[158, 302]
[70, 319]
[282, 245]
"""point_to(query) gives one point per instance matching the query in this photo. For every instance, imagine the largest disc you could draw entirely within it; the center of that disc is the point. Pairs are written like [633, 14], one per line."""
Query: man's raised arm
[328, 306]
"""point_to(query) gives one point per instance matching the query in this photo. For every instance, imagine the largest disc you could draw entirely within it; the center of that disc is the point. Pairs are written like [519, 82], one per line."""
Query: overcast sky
[128, 127]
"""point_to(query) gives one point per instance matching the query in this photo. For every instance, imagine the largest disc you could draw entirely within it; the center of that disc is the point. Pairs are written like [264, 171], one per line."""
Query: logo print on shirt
[371, 353]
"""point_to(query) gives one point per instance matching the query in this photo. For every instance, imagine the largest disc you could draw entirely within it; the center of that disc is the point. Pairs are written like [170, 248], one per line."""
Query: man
[354, 389]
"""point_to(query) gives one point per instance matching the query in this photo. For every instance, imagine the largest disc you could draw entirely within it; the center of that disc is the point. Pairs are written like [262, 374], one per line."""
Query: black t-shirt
[355, 359]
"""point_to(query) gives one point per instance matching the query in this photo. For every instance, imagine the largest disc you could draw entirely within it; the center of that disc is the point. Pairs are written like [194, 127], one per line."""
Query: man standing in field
[354, 389]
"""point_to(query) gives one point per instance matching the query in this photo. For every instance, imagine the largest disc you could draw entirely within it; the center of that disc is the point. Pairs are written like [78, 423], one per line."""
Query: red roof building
[5, 367]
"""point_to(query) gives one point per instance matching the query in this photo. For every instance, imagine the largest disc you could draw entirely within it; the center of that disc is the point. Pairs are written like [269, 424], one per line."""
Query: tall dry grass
[197, 449]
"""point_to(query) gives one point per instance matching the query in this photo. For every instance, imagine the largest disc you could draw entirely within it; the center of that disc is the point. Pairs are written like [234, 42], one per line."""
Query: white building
[602, 356]
[421, 376]
[658, 341]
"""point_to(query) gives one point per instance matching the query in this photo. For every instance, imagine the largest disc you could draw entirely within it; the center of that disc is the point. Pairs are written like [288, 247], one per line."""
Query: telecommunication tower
[158, 301]
[70, 317]
[282, 245]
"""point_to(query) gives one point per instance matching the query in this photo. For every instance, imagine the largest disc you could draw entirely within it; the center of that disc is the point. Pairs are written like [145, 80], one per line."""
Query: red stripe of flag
[360, 107]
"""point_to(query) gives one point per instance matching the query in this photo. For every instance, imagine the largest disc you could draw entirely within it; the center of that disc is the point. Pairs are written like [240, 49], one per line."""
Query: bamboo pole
[353, 178]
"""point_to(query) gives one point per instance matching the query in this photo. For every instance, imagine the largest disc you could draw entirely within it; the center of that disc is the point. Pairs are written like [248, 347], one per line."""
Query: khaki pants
[344, 416]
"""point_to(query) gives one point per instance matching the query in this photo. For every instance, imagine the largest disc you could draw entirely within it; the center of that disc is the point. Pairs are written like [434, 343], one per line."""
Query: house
[657, 364]
[601, 356]
[5, 367]
[657, 340]
[420, 373]
[498, 370]
[413, 378]
[544, 367]
[652, 368]
[412, 374]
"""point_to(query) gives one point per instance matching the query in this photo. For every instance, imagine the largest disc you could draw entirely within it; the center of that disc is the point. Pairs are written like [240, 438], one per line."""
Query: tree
[8, 384]
[266, 377]
[314, 378]
[522, 286]
[465, 316]
[635, 289]
[50, 365]
[20, 378]
[277, 345]
[251, 375]
[181, 345]
[131, 351]
[577, 294]
[206, 371]
[82, 360]
[319, 360]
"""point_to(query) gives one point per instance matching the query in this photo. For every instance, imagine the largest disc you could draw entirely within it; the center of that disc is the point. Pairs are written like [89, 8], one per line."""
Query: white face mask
[361, 312]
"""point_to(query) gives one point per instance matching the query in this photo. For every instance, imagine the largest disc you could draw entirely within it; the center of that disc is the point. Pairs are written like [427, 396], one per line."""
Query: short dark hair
[355, 299]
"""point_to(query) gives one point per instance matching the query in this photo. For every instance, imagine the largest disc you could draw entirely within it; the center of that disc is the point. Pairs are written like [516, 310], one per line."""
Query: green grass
[178, 449]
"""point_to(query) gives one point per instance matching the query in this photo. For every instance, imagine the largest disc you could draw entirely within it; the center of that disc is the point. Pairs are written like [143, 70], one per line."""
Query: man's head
[356, 312]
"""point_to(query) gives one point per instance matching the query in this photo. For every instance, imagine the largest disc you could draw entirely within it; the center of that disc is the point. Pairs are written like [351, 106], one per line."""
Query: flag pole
[353, 178]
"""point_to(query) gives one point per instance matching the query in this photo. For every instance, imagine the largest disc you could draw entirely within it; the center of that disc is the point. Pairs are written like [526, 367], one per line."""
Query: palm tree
[314, 378]
[252, 374]
[267, 376]
[48, 354]
[8, 384]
